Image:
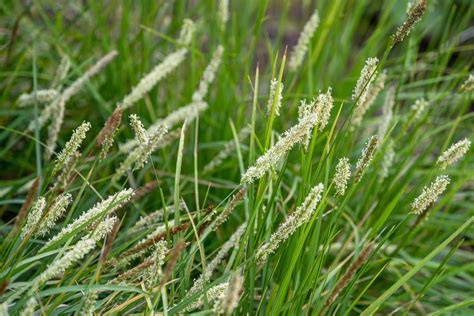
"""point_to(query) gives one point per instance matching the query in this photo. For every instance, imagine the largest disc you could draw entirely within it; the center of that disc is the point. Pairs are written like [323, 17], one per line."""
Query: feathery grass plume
[226, 151]
[187, 32]
[80, 250]
[214, 294]
[61, 72]
[109, 240]
[233, 294]
[223, 13]
[468, 85]
[34, 217]
[367, 75]
[62, 180]
[107, 206]
[343, 173]
[324, 105]
[105, 138]
[187, 112]
[138, 129]
[74, 88]
[209, 75]
[430, 194]
[139, 156]
[152, 78]
[222, 217]
[54, 213]
[154, 218]
[365, 158]
[299, 51]
[41, 96]
[44, 115]
[271, 97]
[30, 307]
[387, 160]
[415, 13]
[89, 303]
[151, 275]
[71, 146]
[372, 94]
[299, 217]
[272, 156]
[344, 280]
[22, 213]
[418, 108]
[453, 153]
[205, 277]
[387, 112]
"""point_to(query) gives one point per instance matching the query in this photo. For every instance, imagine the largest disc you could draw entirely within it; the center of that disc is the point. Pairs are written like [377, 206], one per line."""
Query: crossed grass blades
[228, 157]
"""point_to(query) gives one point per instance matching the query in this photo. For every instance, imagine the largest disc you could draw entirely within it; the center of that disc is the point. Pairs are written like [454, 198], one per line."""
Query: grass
[363, 252]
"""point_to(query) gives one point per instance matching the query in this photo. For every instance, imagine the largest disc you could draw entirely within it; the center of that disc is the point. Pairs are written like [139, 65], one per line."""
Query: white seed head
[89, 303]
[272, 156]
[223, 13]
[419, 108]
[188, 112]
[372, 94]
[139, 156]
[152, 78]
[365, 158]
[71, 146]
[30, 307]
[42, 96]
[208, 75]
[80, 250]
[61, 72]
[430, 194]
[299, 51]
[275, 99]
[468, 85]
[324, 105]
[101, 209]
[387, 112]
[214, 295]
[367, 75]
[387, 161]
[204, 278]
[138, 129]
[55, 212]
[453, 153]
[228, 148]
[343, 173]
[187, 32]
[34, 217]
[299, 217]
[232, 297]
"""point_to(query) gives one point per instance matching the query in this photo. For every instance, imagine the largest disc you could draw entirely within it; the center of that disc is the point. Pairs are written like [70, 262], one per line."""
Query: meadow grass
[236, 157]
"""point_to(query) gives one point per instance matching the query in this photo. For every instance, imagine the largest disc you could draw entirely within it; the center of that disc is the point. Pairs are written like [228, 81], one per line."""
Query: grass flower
[41, 96]
[138, 129]
[71, 146]
[232, 297]
[343, 173]
[275, 99]
[415, 14]
[272, 156]
[229, 147]
[30, 307]
[299, 51]
[367, 76]
[222, 217]
[365, 158]
[99, 210]
[80, 250]
[299, 217]
[223, 13]
[372, 94]
[34, 217]
[453, 153]
[139, 156]
[187, 32]
[208, 75]
[55, 212]
[387, 112]
[418, 108]
[430, 194]
[468, 85]
[214, 295]
[387, 160]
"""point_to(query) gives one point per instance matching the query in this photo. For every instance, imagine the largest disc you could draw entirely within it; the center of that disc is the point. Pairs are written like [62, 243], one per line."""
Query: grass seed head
[430, 194]
[453, 153]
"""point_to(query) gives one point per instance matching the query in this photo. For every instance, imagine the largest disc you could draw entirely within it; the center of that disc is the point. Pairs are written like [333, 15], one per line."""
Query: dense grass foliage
[145, 166]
